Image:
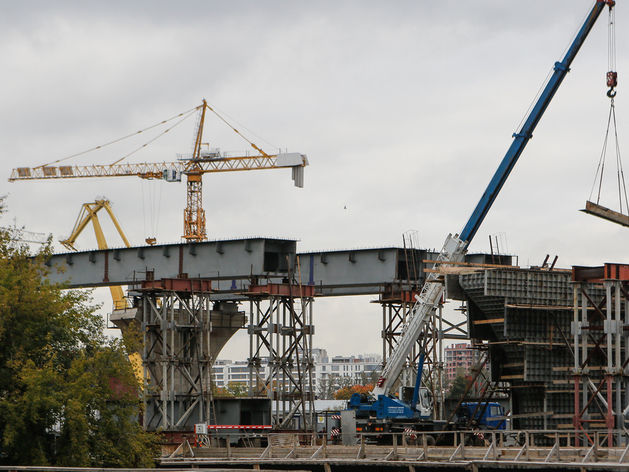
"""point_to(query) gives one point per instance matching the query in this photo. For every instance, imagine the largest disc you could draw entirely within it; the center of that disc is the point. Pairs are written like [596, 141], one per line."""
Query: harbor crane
[202, 161]
[89, 213]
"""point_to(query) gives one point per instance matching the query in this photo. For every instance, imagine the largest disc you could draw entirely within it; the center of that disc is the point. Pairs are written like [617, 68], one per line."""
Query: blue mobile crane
[382, 412]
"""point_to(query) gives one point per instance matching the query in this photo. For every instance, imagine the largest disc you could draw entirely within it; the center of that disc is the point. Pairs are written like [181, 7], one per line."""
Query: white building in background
[226, 371]
[338, 370]
[358, 369]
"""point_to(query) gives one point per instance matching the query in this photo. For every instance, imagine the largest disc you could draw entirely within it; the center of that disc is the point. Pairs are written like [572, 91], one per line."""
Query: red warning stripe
[239, 426]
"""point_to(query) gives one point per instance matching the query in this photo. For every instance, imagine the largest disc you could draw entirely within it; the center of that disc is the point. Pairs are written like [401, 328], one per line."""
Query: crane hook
[611, 93]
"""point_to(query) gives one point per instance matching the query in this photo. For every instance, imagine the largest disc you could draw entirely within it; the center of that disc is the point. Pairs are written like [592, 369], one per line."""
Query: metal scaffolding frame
[601, 350]
[176, 327]
[280, 339]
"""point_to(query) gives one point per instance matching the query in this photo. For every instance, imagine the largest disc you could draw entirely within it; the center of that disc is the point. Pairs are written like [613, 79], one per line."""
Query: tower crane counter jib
[454, 250]
[202, 161]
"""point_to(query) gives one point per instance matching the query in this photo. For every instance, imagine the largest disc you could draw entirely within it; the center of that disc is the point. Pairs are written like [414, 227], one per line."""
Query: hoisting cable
[598, 179]
[188, 113]
[612, 83]
[216, 111]
[154, 139]
[154, 198]
[612, 75]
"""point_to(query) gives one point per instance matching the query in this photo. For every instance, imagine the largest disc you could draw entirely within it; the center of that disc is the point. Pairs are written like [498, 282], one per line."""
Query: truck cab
[481, 415]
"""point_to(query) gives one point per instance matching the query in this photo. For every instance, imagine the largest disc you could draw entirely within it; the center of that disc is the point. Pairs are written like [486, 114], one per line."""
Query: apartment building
[329, 373]
[458, 356]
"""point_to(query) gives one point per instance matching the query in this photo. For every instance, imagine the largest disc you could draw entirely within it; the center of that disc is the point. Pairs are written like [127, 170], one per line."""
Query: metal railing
[556, 446]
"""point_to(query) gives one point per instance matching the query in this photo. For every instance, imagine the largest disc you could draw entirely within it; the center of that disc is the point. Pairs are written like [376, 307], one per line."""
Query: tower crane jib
[201, 162]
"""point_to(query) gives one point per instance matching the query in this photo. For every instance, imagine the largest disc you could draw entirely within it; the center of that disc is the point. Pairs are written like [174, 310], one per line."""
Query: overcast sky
[404, 109]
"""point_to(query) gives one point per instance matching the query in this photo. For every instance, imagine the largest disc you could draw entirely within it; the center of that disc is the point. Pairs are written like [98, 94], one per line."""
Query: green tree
[68, 396]
[459, 384]
[234, 389]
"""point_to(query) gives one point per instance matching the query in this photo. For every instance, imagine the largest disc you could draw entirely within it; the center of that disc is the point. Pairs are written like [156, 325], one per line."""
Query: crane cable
[151, 205]
[187, 113]
[237, 132]
[155, 138]
[612, 82]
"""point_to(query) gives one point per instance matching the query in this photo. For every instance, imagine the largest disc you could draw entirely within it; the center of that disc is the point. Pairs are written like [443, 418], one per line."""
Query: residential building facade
[329, 374]
[458, 356]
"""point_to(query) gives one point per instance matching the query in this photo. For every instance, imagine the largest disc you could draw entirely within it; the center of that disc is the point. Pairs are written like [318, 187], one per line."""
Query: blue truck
[481, 415]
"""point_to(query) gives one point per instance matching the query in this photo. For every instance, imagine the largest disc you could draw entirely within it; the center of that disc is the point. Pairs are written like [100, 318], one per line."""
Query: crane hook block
[612, 82]
[612, 79]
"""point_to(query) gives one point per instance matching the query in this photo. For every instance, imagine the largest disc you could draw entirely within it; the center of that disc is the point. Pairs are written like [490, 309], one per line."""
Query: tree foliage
[68, 396]
[232, 389]
[346, 393]
[459, 384]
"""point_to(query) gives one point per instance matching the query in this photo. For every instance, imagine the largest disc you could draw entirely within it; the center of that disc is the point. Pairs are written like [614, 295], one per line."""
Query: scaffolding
[601, 350]
[281, 365]
[523, 317]
[176, 326]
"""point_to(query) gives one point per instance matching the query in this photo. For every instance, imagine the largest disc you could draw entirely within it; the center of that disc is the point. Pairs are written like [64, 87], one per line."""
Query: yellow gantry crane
[202, 161]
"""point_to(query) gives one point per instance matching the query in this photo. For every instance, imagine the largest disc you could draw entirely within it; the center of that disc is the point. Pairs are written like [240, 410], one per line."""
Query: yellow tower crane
[202, 161]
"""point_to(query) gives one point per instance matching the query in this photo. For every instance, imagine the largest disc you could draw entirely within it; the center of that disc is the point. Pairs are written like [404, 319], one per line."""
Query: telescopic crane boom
[455, 246]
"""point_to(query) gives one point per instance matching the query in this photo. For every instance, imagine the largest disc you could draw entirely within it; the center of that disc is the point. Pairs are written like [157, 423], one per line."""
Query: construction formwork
[524, 316]
[280, 337]
[561, 340]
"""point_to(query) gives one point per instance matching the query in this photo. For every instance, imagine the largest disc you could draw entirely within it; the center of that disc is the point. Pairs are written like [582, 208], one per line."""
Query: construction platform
[306, 452]
[556, 340]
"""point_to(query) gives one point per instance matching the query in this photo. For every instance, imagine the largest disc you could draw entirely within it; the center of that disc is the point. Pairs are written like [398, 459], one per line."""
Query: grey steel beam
[227, 263]
[357, 271]
[231, 264]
